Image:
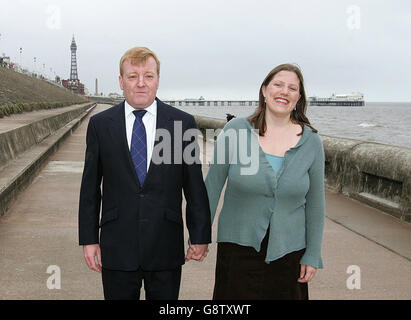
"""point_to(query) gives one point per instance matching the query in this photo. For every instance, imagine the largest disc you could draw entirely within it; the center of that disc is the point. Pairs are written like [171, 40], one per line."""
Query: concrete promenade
[40, 230]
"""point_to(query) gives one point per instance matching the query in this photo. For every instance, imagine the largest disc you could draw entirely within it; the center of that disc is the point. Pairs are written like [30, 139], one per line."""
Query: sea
[382, 122]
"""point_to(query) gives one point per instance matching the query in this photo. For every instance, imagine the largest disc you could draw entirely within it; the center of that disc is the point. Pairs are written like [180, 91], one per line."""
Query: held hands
[92, 254]
[197, 252]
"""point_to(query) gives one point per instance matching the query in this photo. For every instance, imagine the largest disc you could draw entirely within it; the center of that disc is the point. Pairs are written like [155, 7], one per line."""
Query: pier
[202, 102]
[353, 100]
[211, 103]
[328, 102]
[38, 230]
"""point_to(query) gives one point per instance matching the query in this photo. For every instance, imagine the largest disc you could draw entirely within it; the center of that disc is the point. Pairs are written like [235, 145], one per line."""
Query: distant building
[73, 83]
[115, 95]
[5, 62]
[353, 99]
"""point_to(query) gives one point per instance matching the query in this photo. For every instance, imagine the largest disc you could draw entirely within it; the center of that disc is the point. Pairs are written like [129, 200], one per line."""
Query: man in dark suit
[142, 232]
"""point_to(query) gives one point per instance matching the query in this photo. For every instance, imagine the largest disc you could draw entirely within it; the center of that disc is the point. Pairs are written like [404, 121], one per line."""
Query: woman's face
[282, 93]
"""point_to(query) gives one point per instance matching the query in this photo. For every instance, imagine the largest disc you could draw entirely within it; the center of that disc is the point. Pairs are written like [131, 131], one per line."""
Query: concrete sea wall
[16, 141]
[25, 149]
[373, 173]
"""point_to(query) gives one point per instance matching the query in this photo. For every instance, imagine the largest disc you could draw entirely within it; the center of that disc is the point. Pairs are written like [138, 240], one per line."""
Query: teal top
[275, 161]
[291, 202]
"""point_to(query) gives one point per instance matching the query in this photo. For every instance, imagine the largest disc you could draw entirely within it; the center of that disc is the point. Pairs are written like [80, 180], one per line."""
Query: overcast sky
[220, 49]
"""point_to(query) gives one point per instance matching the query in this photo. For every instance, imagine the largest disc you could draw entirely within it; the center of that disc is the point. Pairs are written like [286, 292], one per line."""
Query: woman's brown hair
[297, 115]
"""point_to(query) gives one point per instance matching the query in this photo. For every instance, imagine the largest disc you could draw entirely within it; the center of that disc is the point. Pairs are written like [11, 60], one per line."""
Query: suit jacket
[140, 226]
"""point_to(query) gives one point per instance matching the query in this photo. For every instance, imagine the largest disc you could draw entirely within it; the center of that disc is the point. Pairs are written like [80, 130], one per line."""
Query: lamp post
[21, 65]
[1, 61]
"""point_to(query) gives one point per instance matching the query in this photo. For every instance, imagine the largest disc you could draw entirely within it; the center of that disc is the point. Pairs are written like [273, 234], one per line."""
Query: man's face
[139, 83]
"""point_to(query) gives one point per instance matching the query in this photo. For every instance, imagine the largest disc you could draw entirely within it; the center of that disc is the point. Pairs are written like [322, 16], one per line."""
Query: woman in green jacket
[271, 223]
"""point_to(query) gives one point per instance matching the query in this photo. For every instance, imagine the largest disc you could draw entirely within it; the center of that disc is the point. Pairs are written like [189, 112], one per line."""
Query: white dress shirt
[149, 121]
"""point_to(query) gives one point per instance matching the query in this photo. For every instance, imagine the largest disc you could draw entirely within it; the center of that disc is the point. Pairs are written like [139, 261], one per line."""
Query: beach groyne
[373, 173]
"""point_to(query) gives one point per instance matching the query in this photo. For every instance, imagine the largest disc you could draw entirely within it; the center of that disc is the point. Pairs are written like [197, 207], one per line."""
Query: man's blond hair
[138, 55]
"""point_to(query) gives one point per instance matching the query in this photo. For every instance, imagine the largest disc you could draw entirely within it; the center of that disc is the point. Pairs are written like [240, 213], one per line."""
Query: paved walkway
[40, 231]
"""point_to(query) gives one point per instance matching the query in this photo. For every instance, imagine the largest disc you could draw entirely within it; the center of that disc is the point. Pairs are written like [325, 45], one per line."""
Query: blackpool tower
[73, 83]
[73, 71]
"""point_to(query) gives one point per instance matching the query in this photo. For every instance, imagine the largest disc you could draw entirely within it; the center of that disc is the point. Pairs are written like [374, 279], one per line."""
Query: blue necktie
[138, 149]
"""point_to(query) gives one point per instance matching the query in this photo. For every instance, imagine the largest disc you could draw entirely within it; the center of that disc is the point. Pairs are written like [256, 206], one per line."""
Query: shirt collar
[151, 109]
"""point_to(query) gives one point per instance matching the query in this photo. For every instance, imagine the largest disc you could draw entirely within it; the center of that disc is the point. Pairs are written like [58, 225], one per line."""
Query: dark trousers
[241, 273]
[126, 285]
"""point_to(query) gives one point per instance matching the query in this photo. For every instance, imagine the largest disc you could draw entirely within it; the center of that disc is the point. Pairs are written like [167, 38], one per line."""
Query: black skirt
[241, 273]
